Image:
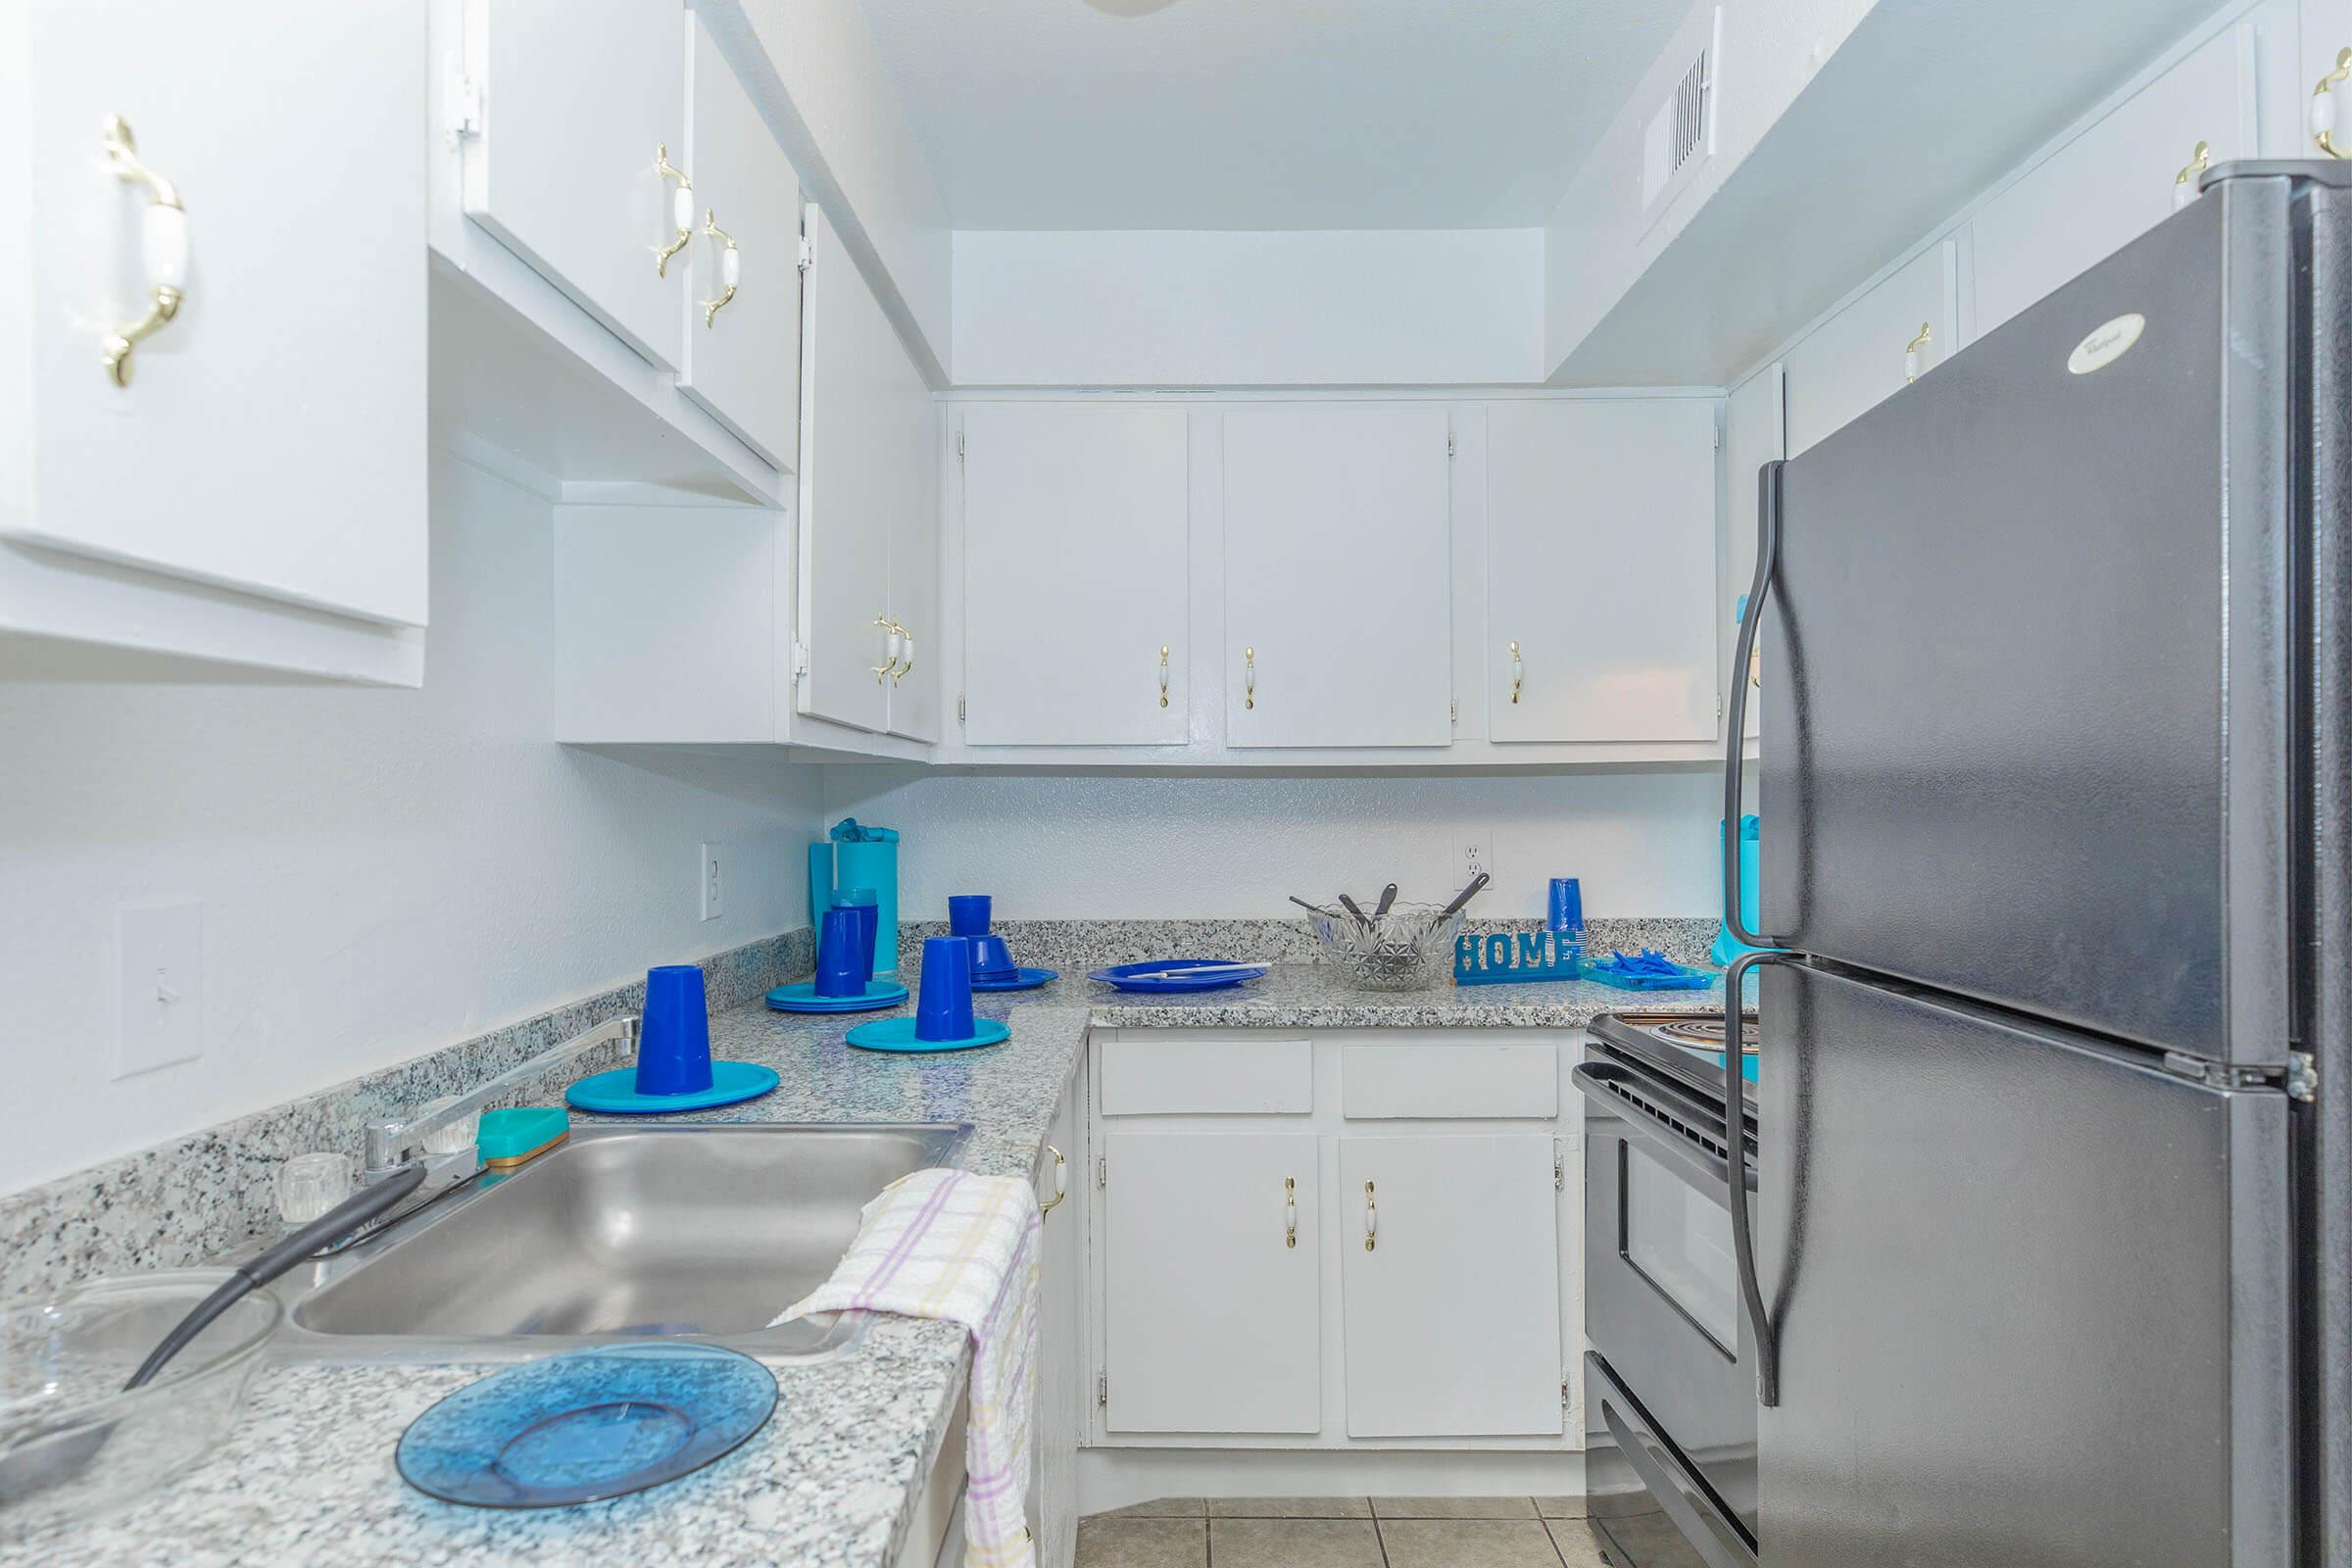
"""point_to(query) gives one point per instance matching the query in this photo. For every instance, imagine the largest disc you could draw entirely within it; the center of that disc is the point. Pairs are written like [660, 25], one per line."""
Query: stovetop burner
[1697, 1031]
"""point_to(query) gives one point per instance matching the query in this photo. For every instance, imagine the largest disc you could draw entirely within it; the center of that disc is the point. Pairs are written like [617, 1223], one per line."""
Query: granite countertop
[305, 1476]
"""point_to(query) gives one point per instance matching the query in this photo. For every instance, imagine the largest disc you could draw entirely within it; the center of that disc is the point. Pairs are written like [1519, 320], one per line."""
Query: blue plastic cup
[866, 905]
[1567, 905]
[968, 915]
[841, 969]
[992, 959]
[673, 1043]
[943, 1009]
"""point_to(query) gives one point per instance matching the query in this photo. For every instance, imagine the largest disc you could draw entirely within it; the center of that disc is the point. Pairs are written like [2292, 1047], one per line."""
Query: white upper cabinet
[258, 230]
[869, 483]
[2113, 181]
[1337, 604]
[579, 100]
[1450, 1285]
[1075, 526]
[1600, 570]
[742, 352]
[1889, 337]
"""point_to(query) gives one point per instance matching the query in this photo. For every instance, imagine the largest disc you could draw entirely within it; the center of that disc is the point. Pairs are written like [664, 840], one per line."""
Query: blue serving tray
[1147, 977]
[897, 1035]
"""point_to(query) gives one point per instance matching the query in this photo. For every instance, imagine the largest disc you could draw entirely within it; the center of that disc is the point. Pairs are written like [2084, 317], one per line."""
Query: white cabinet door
[2113, 181]
[1865, 352]
[1338, 614]
[1753, 434]
[1060, 1344]
[915, 426]
[578, 97]
[1212, 1300]
[1453, 1314]
[1075, 523]
[854, 382]
[270, 436]
[741, 357]
[1600, 570]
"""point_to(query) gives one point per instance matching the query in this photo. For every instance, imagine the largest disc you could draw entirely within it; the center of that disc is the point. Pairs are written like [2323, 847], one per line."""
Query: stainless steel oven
[1670, 1372]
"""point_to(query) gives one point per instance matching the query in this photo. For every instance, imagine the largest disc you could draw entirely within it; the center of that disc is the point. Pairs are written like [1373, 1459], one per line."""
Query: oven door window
[1681, 1242]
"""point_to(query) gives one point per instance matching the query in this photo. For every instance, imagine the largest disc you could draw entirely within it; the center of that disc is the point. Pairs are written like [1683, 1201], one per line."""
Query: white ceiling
[1262, 113]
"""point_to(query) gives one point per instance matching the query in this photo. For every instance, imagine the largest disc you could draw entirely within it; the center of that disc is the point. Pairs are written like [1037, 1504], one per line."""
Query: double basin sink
[619, 1233]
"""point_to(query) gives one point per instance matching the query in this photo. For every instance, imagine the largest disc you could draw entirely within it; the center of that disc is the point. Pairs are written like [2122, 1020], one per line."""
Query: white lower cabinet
[1212, 1301]
[1452, 1292]
[1060, 1418]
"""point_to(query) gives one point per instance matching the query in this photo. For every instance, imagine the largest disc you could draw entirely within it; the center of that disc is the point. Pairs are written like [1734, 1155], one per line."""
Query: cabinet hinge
[799, 660]
[959, 446]
[808, 254]
[2302, 1076]
[1567, 1397]
[1453, 713]
[1102, 1391]
[1559, 1168]
[959, 708]
[1450, 444]
[1101, 1174]
[461, 100]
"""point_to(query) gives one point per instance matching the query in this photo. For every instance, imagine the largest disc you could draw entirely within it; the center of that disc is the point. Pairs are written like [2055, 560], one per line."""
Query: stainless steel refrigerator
[2051, 1261]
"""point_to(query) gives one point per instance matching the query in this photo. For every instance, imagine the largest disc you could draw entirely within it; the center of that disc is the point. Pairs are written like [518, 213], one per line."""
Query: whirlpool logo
[2107, 343]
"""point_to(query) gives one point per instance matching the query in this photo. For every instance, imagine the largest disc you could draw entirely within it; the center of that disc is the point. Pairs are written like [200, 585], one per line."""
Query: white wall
[1169, 307]
[1113, 846]
[383, 872]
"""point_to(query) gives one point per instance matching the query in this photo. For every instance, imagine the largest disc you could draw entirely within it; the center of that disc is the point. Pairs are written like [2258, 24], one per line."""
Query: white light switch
[160, 989]
[713, 904]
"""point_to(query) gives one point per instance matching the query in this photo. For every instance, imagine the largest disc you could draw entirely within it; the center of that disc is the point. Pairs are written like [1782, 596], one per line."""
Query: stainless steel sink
[690, 1232]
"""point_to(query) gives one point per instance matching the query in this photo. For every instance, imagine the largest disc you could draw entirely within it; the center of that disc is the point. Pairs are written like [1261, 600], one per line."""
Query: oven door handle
[1696, 1166]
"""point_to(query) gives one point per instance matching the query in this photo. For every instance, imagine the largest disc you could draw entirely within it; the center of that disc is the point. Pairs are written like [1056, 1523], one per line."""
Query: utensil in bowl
[1387, 897]
[1467, 894]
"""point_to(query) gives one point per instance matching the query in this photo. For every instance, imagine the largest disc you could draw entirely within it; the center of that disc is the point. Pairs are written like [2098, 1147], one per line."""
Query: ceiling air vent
[1682, 131]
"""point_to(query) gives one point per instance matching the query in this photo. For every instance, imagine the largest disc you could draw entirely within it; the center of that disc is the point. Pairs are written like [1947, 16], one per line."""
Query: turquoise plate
[898, 1034]
[1018, 980]
[802, 998]
[615, 1093]
[586, 1424]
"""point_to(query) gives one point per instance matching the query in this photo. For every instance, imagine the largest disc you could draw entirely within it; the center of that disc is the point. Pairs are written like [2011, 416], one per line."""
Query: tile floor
[1340, 1533]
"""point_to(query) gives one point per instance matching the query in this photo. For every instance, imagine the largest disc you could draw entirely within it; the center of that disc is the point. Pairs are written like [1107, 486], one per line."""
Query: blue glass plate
[586, 1424]
[615, 1093]
[802, 998]
[1018, 980]
[898, 1034]
[1148, 976]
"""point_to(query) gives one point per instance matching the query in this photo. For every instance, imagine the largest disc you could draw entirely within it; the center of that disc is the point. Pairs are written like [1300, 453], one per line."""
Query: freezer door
[2009, 602]
[2031, 1293]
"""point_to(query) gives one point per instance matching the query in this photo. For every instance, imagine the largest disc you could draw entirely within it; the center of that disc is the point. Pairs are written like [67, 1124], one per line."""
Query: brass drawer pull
[1290, 1211]
[1518, 671]
[730, 268]
[1371, 1219]
[2322, 105]
[681, 209]
[1250, 677]
[1061, 1182]
[1164, 674]
[163, 243]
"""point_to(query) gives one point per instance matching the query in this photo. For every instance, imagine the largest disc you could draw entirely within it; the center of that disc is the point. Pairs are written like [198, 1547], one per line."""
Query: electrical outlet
[1477, 849]
[712, 903]
[158, 1017]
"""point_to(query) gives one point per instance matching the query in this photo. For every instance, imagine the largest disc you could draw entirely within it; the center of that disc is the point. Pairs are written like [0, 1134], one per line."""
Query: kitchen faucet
[391, 1140]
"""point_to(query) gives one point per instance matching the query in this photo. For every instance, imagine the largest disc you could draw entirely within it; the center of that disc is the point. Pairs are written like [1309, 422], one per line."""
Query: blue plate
[898, 1034]
[802, 998]
[1148, 976]
[1018, 980]
[615, 1093]
[586, 1424]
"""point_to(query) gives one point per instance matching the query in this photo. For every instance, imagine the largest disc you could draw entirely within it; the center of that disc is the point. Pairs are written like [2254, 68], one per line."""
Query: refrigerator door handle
[1768, 556]
[1744, 1240]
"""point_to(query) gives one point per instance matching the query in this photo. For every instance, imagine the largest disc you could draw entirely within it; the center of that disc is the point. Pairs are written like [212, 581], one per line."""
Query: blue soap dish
[897, 1035]
[615, 1093]
[586, 1424]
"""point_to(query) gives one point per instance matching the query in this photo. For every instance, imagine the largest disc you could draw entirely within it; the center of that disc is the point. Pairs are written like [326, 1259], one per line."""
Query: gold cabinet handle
[1290, 1212]
[163, 243]
[2322, 105]
[730, 268]
[1371, 1219]
[906, 648]
[890, 649]
[2185, 184]
[1062, 1181]
[1250, 677]
[1164, 674]
[1912, 351]
[1518, 671]
[681, 209]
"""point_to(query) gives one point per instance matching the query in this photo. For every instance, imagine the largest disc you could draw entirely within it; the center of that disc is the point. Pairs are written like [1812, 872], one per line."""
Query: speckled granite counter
[306, 1476]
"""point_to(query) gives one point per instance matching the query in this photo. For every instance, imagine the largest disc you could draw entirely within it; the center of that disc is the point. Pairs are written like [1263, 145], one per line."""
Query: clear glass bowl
[1404, 949]
[72, 1444]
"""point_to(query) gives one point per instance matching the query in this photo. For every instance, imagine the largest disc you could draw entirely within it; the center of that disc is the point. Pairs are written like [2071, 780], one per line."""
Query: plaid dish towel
[961, 1248]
